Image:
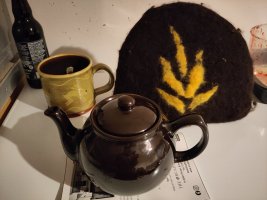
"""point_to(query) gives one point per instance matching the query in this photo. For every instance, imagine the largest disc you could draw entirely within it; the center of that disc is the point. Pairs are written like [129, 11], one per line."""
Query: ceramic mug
[67, 82]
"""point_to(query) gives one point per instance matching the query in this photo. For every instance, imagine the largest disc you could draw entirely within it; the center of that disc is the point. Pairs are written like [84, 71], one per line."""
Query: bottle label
[31, 54]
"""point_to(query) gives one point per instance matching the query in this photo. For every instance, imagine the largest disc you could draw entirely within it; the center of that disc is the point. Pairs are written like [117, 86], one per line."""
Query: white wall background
[99, 27]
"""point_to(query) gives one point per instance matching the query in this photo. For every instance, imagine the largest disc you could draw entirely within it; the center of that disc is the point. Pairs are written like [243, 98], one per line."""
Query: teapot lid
[125, 115]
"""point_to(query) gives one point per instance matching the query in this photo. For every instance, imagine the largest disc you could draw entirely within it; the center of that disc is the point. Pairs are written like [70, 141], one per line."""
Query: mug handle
[191, 119]
[109, 85]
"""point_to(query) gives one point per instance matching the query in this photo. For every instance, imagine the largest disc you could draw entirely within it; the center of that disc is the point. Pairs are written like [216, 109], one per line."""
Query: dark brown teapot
[125, 147]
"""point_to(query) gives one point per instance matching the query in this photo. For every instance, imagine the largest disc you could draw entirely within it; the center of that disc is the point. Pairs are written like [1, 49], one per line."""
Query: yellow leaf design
[195, 77]
[169, 78]
[180, 53]
[173, 101]
[202, 98]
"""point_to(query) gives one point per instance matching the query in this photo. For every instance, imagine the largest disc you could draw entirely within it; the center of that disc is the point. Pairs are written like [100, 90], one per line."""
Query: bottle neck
[21, 9]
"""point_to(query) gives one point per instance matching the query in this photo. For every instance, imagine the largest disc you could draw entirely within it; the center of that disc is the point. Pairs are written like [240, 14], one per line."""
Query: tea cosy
[188, 59]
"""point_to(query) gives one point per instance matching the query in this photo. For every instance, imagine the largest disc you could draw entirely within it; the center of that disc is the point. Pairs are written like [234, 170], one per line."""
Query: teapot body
[126, 167]
[124, 147]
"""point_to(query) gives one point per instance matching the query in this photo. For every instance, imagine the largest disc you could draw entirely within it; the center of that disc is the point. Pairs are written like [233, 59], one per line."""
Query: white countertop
[32, 161]
[233, 166]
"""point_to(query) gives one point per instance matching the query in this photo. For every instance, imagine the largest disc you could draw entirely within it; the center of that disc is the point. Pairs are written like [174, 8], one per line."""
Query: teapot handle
[191, 119]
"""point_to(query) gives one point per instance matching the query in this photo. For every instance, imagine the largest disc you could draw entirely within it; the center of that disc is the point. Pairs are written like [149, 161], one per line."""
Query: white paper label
[31, 53]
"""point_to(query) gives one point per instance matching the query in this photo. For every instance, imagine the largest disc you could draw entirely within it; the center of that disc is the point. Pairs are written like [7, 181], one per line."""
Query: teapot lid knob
[126, 103]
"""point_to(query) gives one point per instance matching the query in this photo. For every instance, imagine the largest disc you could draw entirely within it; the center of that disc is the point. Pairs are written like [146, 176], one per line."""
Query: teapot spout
[68, 133]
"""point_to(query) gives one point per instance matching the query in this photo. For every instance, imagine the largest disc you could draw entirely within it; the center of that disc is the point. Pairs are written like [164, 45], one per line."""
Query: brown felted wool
[188, 59]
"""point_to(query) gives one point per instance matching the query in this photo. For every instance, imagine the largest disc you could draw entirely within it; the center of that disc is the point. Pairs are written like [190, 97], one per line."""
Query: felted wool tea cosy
[188, 59]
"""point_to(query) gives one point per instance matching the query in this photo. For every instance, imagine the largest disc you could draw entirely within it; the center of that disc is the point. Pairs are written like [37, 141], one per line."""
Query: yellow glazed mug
[67, 81]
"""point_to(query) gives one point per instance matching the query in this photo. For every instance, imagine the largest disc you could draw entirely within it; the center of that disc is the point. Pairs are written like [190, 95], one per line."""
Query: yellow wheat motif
[195, 76]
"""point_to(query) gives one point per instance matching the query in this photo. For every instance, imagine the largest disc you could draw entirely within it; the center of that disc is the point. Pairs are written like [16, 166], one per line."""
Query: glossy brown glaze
[126, 167]
[131, 155]
[125, 116]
